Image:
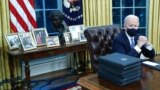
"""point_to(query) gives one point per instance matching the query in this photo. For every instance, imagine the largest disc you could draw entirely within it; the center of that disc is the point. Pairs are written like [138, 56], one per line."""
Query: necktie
[132, 43]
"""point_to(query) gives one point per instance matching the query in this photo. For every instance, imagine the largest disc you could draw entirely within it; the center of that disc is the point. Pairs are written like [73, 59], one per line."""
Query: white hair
[130, 16]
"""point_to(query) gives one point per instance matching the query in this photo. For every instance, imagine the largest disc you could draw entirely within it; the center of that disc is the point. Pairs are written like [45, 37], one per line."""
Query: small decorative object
[75, 29]
[40, 35]
[52, 41]
[67, 37]
[82, 38]
[13, 41]
[27, 41]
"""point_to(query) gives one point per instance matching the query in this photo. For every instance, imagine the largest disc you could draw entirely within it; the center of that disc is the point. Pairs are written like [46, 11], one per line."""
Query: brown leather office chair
[100, 40]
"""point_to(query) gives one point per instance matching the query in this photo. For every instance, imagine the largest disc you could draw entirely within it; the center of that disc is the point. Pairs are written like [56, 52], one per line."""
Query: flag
[72, 10]
[22, 15]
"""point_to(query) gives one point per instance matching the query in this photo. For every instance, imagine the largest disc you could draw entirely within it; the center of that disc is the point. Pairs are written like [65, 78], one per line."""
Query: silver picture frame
[27, 41]
[39, 35]
[52, 41]
[13, 41]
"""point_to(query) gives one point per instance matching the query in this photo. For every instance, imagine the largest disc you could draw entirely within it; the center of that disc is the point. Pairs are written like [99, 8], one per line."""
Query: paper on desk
[150, 63]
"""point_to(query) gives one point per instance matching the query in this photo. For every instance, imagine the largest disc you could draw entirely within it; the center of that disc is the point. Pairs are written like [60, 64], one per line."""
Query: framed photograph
[67, 37]
[52, 41]
[75, 29]
[40, 35]
[13, 41]
[82, 38]
[27, 41]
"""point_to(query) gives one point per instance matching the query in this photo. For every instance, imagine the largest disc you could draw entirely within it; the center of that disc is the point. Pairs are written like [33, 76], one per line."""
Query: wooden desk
[39, 52]
[150, 80]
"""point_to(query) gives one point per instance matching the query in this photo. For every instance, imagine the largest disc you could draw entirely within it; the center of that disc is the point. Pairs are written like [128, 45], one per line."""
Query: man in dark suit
[129, 42]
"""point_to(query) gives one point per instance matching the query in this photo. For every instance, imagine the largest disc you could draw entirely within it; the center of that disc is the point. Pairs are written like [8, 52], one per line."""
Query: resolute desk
[150, 80]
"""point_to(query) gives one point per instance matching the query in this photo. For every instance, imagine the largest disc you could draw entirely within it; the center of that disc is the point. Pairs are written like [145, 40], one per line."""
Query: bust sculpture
[58, 24]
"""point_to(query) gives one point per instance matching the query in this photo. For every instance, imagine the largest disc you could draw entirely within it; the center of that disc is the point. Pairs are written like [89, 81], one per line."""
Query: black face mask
[132, 32]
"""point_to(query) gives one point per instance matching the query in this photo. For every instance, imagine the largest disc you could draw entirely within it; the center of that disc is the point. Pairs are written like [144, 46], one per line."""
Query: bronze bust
[58, 24]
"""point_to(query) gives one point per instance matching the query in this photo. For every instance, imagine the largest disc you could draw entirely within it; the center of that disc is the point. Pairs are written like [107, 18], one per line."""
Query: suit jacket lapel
[126, 41]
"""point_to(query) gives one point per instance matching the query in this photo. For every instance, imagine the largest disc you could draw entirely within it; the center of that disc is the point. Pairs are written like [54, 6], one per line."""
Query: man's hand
[142, 40]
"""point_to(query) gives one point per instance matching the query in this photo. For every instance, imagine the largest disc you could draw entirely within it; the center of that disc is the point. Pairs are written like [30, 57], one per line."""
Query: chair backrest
[100, 40]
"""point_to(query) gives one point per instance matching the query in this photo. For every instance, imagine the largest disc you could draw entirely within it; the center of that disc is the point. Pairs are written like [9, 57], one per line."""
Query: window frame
[44, 11]
[133, 8]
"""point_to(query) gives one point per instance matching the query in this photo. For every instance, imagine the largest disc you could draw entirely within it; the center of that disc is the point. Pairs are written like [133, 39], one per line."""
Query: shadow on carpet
[59, 84]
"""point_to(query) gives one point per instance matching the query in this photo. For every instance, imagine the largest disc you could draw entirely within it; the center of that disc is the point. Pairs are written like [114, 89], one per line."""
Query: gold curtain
[4, 29]
[97, 12]
[154, 24]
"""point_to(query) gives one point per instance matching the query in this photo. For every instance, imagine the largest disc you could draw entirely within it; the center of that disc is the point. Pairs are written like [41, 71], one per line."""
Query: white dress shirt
[148, 46]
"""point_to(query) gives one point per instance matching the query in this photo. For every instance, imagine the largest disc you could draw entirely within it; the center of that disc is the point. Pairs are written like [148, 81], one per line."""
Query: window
[122, 8]
[43, 8]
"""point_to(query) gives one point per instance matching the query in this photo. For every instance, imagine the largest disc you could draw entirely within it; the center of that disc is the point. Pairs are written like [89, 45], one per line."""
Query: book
[119, 60]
